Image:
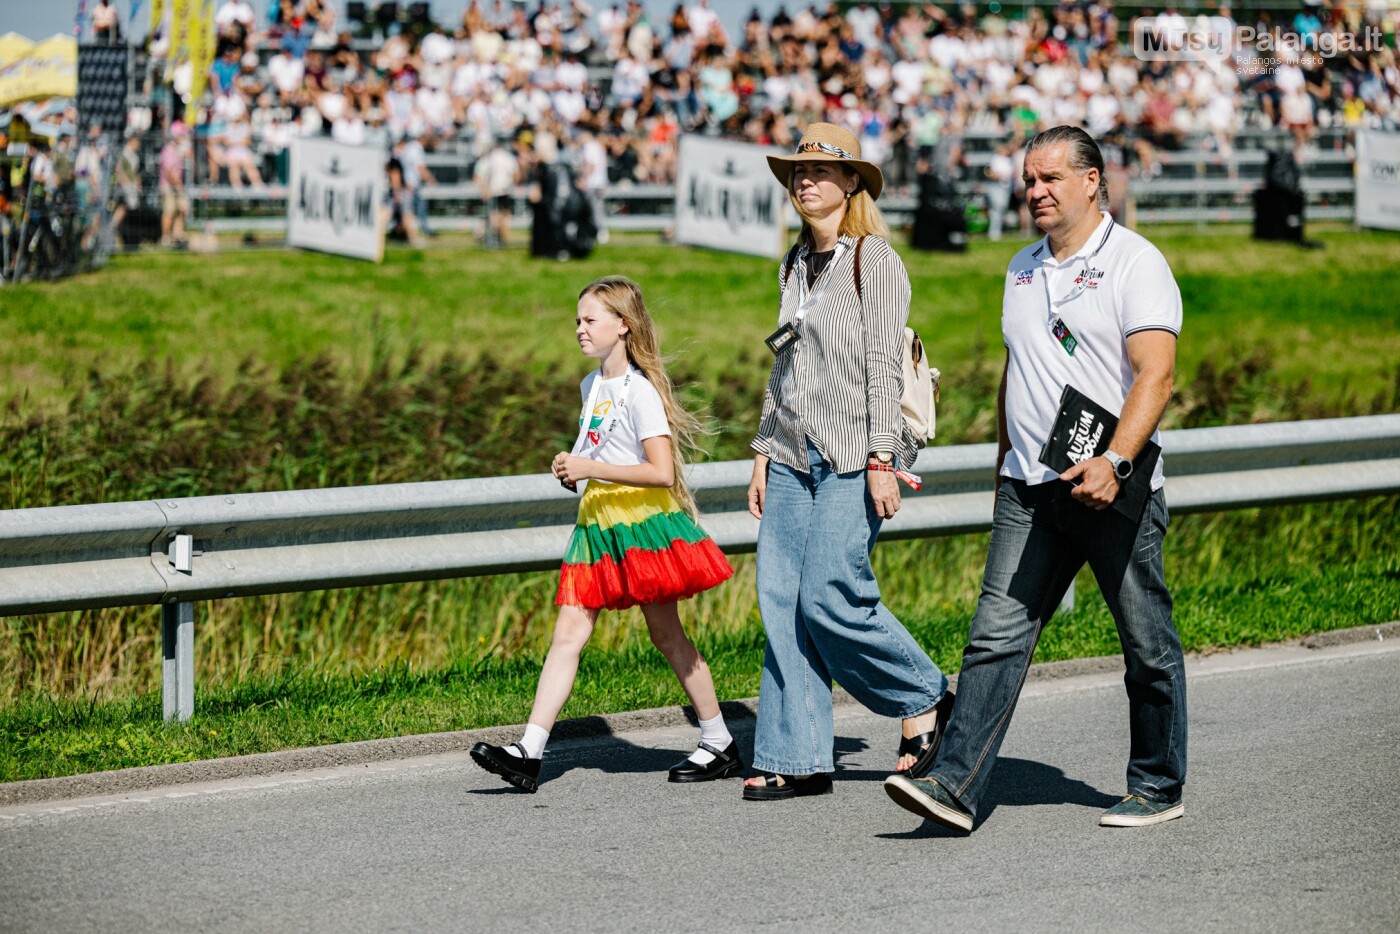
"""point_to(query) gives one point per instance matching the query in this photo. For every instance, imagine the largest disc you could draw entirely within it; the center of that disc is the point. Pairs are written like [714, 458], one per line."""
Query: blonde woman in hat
[829, 442]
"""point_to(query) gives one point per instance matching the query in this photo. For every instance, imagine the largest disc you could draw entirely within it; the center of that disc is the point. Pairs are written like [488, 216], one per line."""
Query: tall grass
[294, 371]
[148, 432]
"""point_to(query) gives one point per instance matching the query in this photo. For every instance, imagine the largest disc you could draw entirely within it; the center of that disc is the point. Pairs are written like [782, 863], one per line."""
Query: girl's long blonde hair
[862, 217]
[623, 297]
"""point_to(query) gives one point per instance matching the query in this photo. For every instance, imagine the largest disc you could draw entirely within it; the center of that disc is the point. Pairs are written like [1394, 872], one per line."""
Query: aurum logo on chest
[1089, 278]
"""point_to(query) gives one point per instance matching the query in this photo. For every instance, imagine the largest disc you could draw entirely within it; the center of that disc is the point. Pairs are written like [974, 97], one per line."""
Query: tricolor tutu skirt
[634, 546]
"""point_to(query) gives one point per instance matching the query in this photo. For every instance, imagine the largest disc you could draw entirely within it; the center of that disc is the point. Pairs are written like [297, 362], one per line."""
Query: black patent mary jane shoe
[521, 771]
[725, 764]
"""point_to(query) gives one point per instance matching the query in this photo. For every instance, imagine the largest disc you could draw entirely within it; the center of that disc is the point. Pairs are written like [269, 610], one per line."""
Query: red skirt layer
[644, 577]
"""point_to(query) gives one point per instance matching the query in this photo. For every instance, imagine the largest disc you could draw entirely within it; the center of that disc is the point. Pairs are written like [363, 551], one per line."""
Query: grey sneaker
[1137, 811]
[928, 799]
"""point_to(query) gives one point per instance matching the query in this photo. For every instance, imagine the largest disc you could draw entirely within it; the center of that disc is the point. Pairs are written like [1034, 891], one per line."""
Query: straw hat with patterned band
[827, 142]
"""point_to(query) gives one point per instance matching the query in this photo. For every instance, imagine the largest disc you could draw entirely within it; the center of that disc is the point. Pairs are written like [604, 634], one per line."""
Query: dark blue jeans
[1041, 537]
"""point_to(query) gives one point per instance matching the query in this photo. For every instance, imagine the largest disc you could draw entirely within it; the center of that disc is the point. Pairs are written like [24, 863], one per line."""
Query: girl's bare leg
[664, 626]
[571, 632]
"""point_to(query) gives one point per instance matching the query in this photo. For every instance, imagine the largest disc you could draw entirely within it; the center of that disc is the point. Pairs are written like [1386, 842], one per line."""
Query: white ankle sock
[534, 739]
[712, 733]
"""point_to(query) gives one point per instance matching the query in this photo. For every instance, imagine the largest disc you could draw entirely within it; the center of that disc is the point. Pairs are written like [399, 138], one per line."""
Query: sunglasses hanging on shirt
[782, 340]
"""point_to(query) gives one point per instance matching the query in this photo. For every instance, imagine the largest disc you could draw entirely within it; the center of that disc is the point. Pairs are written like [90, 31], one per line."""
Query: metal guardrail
[178, 551]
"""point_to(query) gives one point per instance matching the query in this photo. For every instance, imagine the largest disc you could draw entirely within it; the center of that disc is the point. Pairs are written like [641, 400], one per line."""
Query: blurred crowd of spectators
[615, 87]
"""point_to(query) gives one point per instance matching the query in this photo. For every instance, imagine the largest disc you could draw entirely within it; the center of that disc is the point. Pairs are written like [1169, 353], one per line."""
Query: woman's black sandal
[925, 746]
[818, 783]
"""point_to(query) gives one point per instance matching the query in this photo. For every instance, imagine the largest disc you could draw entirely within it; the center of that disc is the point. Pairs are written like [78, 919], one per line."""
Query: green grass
[171, 374]
[1317, 314]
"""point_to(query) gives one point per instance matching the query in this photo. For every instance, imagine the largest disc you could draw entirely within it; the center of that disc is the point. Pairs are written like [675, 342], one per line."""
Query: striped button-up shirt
[840, 383]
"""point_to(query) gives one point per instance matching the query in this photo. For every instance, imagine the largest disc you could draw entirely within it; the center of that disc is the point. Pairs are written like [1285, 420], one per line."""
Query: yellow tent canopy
[49, 69]
[13, 46]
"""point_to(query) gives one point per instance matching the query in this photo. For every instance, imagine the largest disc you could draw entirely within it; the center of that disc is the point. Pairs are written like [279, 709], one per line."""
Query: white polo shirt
[1116, 285]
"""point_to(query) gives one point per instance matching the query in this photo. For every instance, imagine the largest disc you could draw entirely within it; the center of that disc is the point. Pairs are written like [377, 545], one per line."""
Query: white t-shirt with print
[1116, 285]
[642, 416]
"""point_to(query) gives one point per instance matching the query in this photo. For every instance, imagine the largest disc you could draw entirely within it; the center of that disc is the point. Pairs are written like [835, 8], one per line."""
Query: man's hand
[1094, 482]
[884, 490]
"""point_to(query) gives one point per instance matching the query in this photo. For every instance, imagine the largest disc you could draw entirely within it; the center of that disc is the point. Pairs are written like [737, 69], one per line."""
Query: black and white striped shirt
[840, 383]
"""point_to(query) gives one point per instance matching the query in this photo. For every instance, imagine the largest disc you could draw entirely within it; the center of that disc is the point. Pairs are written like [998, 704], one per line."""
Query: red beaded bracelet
[873, 465]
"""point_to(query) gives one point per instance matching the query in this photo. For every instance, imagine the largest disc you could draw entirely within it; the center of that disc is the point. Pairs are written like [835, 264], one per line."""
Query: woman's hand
[758, 486]
[884, 490]
[573, 469]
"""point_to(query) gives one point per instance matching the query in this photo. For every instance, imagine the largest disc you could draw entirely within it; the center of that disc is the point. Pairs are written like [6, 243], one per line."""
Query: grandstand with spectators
[948, 88]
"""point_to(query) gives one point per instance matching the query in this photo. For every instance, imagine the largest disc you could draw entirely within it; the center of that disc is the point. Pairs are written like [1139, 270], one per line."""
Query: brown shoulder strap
[788, 264]
[859, 243]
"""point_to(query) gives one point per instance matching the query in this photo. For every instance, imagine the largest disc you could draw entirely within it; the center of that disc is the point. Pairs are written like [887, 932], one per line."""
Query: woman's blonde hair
[623, 297]
[862, 217]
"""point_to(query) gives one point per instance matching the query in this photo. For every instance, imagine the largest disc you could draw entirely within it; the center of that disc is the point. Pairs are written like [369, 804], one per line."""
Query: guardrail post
[177, 667]
[177, 638]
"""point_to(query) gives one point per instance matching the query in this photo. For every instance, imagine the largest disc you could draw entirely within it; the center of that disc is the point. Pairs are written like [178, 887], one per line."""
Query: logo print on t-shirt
[600, 412]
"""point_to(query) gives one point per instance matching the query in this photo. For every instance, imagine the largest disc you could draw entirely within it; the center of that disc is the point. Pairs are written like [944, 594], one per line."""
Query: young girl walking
[637, 542]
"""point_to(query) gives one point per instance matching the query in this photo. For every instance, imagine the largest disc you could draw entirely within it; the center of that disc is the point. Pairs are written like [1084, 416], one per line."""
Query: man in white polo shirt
[1092, 305]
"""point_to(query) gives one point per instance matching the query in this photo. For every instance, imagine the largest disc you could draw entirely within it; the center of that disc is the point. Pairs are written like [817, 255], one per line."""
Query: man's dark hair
[1084, 153]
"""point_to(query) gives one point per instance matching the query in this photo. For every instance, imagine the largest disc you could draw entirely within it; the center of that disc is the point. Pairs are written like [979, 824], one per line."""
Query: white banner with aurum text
[727, 199]
[1378, 179]
[334, 198]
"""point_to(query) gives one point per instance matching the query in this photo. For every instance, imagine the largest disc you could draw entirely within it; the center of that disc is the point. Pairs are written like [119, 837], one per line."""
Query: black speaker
[102, 86]
[140, 225]
[418, 14]
[939, 229]
[1278, 215]
[939, 220]
[355, 11]
[1281, 172]
[386, 13]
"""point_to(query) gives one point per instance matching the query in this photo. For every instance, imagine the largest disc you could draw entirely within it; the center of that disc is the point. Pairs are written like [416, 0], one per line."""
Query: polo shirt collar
[1087, 248]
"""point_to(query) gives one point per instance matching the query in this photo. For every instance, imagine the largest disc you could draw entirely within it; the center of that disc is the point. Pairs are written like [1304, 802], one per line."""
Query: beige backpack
[918, 404]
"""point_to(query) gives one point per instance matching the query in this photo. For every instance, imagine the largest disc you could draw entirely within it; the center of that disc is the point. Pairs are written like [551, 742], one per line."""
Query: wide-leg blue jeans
[1041, 537]
[824, 619]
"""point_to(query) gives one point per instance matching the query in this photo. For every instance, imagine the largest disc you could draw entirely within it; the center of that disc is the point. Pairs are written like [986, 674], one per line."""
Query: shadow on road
[617, 755]
[1015, 782]
[1020, 783]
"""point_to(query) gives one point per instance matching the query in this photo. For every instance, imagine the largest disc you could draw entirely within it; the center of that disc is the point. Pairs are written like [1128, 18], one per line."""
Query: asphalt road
[1292, 824]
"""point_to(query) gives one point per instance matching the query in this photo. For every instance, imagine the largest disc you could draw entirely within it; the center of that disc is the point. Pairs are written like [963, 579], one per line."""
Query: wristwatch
[1122, 467]
[883, 457]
